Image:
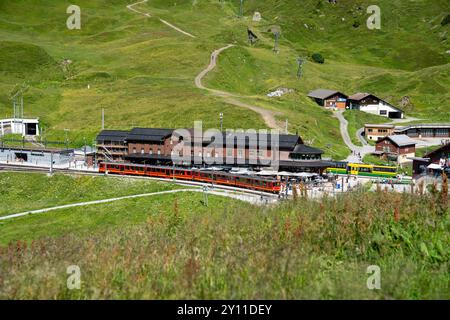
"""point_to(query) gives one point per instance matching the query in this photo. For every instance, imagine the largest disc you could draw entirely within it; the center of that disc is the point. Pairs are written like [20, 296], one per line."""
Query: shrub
[317, 57]
[356, 24]
[446, 20]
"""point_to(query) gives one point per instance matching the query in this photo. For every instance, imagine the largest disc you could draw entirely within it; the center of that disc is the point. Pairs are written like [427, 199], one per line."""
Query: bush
[317, 57]
[356, 24]
[446, 20]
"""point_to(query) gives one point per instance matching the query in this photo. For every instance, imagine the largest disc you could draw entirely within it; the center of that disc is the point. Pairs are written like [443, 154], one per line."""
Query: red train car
[221, 178]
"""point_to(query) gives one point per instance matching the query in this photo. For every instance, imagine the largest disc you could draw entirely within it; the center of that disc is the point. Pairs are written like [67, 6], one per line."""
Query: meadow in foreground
[302, 249]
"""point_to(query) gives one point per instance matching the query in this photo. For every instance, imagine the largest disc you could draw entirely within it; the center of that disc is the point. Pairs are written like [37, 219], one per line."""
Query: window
[384, 169]
[383, 112]
[142, 151]
[229, 152]
[134, 150]
[370, 130]
[151, 151]
[260, 153]
[240, 153]
[159, 152]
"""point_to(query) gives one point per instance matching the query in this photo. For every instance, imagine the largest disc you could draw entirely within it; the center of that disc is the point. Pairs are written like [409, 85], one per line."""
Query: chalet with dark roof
[434, 161]
[329, 98]
[400, 147]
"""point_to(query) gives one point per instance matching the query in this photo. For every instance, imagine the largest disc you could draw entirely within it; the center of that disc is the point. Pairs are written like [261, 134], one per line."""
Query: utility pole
[205, 195]
[67, 138]
[221, 122]
[241, 9]
[94, 143]
[103, 118]
[51, 163]
[300, 62]
[277, 36]
[21, 106]
[85, 157]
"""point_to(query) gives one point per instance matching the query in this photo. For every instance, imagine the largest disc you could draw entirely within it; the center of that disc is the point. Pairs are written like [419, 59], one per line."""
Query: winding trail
[267, 115]
[230, 98]
[131, 8]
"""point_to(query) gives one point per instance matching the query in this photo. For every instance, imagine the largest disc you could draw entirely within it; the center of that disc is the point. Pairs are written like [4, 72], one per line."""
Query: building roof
[304, 164]
[387, 126]
[303, 149]
[323, 93]
[239, 139]
[423, 126]
[438, 150]
[149, 134]
[112, 135]
[400, 140]
[360, 96]
[81, 151]
[37, 149]
[363, 95]
[285, 141]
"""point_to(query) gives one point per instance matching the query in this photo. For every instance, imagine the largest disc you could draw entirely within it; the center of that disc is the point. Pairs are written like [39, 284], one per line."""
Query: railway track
[19, 168]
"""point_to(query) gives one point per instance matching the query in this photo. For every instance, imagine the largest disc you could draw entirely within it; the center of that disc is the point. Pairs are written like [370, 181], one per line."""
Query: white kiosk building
[24, 127]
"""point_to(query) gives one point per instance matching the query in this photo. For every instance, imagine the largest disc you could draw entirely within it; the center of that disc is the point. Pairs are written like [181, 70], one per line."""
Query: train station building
[241, 149]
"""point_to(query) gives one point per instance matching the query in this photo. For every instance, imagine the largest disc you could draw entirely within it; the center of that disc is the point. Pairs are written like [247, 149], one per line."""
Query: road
[358, 152]
[267, 115]
[366, 147]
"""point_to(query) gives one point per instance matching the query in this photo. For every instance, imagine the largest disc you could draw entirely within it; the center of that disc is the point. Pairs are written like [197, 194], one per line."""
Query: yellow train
[359, 169]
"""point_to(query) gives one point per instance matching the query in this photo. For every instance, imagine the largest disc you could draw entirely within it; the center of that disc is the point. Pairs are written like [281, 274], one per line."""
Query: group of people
[358, 154]
[444, 163]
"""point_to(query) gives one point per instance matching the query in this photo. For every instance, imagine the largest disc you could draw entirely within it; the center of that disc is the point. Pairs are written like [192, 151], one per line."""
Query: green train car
[359, 169]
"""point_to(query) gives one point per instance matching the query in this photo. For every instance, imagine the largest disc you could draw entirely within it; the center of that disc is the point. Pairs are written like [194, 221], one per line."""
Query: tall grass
[303, 249]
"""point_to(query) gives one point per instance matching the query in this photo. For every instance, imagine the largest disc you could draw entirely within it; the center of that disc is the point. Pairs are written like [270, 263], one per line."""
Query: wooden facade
[376, 132]
[400, 147]
[329, 98]
[440, 156]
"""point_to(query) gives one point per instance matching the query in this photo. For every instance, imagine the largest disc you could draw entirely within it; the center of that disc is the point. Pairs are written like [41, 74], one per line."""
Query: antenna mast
[277, 37]
[17, 98]
[300, 62]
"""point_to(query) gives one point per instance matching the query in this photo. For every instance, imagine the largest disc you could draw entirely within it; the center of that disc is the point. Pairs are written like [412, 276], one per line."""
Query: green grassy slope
[142, 72]
[23, 192]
